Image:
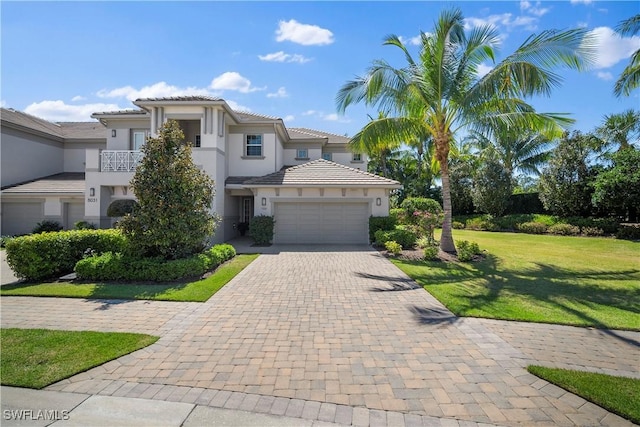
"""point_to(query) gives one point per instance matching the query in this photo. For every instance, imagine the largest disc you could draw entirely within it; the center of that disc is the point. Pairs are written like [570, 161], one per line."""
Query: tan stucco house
[315, 187]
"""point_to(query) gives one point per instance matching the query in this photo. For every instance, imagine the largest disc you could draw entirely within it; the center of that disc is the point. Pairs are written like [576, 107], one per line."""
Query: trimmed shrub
[592, 231]
[118, 267]
[533, 228]
[413, 204]
[46, 226]
[423, 242]
[483, 223]
[4, 240]
[511, 222]
[467, 250]
[406, 238]
[84, 225]
[261, 229]
[608, 225]
[457, 225]
[628, 232]
[380, 223]
[398, 215]
[50, 255]
[121, 207]
[393, 248]
[564, 230]
[431, 253]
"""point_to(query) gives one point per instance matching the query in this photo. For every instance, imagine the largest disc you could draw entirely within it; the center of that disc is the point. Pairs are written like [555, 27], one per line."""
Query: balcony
[119, 160]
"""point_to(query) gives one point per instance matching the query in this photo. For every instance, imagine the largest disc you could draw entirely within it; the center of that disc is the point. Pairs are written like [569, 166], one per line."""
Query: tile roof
[322, 173]
[9, 115]
[237, 180]
[83, 130]
[247, 115]
[131, 111]
[68, 183]
[332, 138]
[181, 98]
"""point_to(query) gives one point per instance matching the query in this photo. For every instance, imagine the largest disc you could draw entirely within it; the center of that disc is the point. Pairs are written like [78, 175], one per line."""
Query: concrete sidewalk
[321, 335]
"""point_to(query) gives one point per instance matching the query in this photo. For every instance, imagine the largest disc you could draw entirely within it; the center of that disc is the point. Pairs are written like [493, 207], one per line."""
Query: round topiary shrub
[46, 226]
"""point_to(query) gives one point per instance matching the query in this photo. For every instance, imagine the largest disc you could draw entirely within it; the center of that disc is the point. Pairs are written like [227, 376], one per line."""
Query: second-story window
[326, 156]
[253, 146]
[302, 153]
[357, 157]
[138, 140]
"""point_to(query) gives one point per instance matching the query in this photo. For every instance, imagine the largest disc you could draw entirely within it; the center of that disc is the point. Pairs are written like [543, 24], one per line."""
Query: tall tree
[441, 91]
[617, 189]
[619, 131]
[629, 80]
[172, 219]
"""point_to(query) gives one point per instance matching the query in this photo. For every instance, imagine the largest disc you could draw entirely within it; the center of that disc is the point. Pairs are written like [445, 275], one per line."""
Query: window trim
[197, 143]
[245, 153]
[358, 159]
[134, 132]
[330, 159]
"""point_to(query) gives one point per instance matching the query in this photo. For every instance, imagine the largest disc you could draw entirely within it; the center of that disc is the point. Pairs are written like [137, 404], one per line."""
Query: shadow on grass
[563, 288]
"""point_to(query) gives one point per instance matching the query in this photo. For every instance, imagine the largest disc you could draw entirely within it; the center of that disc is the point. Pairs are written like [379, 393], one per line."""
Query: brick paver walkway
[340, 337]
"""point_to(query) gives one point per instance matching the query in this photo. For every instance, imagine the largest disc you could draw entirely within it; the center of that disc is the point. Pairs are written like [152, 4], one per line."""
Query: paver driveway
[340, 336]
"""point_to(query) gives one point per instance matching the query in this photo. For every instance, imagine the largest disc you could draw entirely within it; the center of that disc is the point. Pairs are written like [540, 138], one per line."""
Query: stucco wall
[26, 157]
[240, 165]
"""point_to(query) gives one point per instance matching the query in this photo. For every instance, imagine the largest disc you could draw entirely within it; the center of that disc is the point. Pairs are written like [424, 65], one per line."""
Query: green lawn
[197, 291]
[540, 278]
[35, 358]
[620, 395]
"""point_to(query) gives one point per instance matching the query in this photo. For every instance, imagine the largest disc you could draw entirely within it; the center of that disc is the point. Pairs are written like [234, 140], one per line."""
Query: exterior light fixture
[378, 201]
[113, 133]
[264, 201]
[92, 192]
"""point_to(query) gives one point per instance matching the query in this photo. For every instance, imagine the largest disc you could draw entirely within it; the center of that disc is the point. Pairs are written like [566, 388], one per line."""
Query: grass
[540, 278]
[196, 291]
[619, 395]
[35, 358]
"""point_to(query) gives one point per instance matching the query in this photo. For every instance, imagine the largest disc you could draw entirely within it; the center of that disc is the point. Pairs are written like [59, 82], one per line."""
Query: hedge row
[407, 239]
[51, 255]
[113, 266]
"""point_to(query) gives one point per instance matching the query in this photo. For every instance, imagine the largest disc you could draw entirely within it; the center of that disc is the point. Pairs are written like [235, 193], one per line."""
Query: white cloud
[280, 93]
[612, 48]
[156, 90]
[78, 98]
[504, 20]
[237, 107]
[604, 75]
[289, 118]
[483, 69]
[536, 9]
[413, 41]
[284, 57]
[3, 103]
[303, 34]
[58, 111]
[334, 117]
[309, 113]
[232, 80]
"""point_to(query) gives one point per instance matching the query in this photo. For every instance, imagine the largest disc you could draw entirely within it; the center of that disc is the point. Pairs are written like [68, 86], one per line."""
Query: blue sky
[64, 60]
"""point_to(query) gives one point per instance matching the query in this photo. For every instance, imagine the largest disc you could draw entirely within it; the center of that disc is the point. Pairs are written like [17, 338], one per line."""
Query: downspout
[275, 148]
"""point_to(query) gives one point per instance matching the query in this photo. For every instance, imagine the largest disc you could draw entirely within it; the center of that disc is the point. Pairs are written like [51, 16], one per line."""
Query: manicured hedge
[118, 267]
[51, 255]
[407, 239]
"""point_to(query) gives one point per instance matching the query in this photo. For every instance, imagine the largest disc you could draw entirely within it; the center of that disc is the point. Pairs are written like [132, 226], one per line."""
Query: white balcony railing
[119, 160]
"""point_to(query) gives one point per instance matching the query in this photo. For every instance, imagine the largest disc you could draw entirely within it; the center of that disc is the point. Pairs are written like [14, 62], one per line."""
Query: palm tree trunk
[446, 240]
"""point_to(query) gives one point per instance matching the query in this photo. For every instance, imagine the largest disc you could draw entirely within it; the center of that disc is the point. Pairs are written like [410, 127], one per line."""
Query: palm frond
[629, 27]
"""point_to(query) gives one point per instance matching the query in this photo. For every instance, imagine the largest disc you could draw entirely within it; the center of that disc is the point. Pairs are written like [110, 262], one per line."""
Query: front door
[246, 210]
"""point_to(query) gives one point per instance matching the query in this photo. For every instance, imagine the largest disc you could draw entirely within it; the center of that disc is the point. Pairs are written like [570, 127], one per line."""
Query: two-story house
[317, 190]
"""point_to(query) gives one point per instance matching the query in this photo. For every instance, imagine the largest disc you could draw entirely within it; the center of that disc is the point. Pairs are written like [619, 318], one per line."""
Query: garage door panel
[21, 218]
[301, 222]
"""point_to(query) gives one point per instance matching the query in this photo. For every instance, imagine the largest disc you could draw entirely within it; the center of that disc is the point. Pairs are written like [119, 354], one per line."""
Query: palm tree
[516, 150]
[441, 91]
[619, 130]
[630, 77]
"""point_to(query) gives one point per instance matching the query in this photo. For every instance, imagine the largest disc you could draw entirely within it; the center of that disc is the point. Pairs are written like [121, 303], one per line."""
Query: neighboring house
[317, 190]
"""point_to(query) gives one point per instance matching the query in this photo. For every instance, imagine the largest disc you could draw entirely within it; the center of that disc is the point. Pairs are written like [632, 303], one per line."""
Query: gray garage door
[20, 218]
[75, 213]
[336, 223]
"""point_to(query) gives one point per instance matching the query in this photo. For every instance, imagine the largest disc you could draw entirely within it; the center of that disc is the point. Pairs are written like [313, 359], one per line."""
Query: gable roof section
[305, 133]
[321, 173]
[24, 121]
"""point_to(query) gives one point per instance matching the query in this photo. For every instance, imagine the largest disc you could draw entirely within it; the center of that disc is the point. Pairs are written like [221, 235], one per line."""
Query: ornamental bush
[261, 229]
[564, 229]
[467, 250]
[114, 266]
[46, 226]
[431, 253]
[121, 207]
[424, 215]
[380, 223]
[532, 228]
[394, 248]
[51, 255]
[406, 238]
